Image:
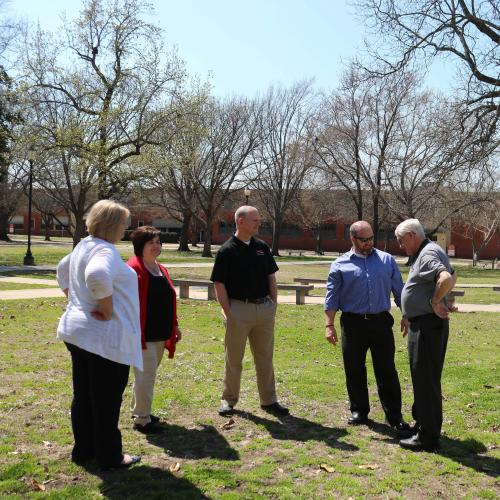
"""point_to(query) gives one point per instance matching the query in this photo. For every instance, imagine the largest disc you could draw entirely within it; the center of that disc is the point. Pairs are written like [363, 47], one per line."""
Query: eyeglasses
[364, 240]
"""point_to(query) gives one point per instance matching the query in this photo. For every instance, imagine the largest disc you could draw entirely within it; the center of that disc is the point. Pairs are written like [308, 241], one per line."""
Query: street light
[247, 195]
[28, 258]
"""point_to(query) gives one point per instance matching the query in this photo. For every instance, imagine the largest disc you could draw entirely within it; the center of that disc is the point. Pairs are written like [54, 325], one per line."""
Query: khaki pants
[142, 397]
[255, 321]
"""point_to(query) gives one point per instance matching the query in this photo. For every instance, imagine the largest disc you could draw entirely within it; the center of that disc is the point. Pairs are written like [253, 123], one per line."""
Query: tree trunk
[275, 249]
[207, 245]
[4, 222]
[184, 237]
[319, 251]
[79, 230]
[47, 232]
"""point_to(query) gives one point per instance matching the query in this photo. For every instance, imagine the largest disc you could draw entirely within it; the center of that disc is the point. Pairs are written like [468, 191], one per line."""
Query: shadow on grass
[181, 442]
[144, 481]
[300, 429]
[468, 452]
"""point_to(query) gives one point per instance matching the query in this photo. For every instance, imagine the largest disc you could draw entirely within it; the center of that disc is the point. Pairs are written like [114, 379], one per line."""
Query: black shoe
[225, 409]
[403, 430]
[276, 409]
[154, 419]
[357, 418]
[149, 428]
[418, 443]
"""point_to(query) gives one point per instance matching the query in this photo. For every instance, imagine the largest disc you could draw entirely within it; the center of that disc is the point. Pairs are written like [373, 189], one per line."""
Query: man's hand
[331, 334]
[440, 310]
[405, 325]
[225, 314]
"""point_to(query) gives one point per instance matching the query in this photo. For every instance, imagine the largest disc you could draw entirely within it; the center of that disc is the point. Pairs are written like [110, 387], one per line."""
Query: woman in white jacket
[101, 330]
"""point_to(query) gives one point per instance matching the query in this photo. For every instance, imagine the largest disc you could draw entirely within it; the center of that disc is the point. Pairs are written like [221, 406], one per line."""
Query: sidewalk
[196, 293]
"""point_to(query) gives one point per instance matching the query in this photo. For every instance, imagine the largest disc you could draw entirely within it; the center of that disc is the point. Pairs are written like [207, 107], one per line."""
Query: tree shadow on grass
[468, 452]
[178, 441]
[144, 481]
[300, 429]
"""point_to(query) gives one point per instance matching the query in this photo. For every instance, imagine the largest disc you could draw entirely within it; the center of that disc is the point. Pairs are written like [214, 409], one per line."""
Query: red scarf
[137, 264]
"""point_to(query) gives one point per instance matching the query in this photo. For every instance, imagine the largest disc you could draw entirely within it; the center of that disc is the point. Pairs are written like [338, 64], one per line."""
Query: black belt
[421, 316]
[365, 315]
[255, 301]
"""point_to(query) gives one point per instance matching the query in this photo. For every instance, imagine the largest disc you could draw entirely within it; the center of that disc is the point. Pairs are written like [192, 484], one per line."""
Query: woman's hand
[178, 334]
[104, 309]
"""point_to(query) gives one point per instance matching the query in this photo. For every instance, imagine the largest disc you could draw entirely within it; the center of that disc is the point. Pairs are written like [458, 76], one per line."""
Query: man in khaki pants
[245, 285]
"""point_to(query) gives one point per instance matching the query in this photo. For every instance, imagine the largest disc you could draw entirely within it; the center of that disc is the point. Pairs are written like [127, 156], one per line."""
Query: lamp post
[247, 195]
[28, 258]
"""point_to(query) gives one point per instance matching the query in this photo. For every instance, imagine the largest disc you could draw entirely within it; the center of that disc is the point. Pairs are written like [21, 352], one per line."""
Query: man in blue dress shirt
[360, 284]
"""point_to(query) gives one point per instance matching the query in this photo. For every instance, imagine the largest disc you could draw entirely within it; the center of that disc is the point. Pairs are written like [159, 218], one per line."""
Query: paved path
[200, 294]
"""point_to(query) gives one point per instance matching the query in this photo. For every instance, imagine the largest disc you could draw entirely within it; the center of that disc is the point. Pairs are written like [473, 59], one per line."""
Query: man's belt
[365, 315]
[255, 301]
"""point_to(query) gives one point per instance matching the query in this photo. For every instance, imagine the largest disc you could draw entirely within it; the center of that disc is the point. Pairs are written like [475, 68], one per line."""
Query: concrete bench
[300, 291]
[184, 285]
[306, 281]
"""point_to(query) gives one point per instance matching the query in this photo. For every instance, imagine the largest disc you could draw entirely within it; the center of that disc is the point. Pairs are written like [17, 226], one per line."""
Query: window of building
[328, 231]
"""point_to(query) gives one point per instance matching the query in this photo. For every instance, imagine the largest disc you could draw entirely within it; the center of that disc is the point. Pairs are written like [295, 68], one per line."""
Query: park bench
[496, 288]
[457, 293]
[300, 291]
[184, 285]
[306, 281]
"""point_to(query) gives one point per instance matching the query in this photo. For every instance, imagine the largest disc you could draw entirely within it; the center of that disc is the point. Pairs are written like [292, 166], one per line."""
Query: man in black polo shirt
[245, 285]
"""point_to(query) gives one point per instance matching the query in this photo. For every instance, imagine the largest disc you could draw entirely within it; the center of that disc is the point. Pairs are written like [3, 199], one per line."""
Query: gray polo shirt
[421, 283]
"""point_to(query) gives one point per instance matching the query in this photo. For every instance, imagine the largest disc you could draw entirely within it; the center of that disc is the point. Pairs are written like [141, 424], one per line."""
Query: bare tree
[466, 30]
[359, 133]
[10, 179]
[232, 134]
[285, 155]
[169, 177]
[107, 67]
[479, 223]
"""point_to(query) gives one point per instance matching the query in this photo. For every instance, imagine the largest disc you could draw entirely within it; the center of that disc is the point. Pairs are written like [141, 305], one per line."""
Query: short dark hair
[141, 236]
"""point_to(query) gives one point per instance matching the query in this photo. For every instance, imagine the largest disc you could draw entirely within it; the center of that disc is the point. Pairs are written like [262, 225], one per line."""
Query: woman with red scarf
[158, 317]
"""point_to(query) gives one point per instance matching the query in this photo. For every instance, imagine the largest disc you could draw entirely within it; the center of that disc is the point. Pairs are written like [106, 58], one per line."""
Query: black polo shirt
[244, 269]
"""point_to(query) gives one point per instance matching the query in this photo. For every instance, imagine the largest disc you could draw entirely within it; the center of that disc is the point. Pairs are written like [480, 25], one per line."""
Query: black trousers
[98, 386]
[359, 335]
[427, 342]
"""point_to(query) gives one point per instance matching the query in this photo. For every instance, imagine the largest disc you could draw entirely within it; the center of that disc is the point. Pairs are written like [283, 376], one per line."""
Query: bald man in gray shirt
[425, 315]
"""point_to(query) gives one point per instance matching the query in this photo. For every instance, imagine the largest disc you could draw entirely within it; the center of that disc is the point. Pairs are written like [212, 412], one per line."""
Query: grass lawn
[311, 454]
[21, 286]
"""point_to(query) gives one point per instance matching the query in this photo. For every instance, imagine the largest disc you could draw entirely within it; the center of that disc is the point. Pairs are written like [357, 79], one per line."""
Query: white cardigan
[95, 270]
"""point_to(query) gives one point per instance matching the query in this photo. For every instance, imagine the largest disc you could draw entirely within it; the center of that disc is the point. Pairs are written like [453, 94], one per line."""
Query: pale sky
[247, 45]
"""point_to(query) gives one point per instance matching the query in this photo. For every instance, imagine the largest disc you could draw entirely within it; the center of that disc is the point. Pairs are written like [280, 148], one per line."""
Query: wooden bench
[184, 285]
[496, 288]
[300, 291]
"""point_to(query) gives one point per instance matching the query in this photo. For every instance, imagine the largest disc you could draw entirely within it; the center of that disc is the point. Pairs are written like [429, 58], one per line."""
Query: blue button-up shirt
[363, 285]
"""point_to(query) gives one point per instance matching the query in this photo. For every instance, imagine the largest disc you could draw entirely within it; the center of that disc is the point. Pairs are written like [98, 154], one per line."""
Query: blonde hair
[105, 218]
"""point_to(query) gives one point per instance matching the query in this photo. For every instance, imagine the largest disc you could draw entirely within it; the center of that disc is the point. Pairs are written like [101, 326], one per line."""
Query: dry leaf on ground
[327, 468]
[175, 467]
[369, 466]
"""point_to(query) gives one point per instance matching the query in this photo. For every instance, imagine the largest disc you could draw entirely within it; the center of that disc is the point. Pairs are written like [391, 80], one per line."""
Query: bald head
[360, 226]
[248, 221]
[243, 212]
[361, 237]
